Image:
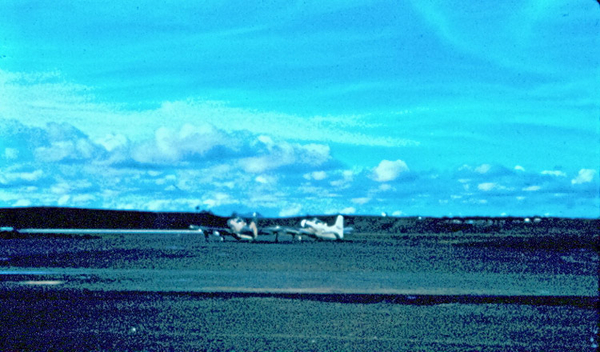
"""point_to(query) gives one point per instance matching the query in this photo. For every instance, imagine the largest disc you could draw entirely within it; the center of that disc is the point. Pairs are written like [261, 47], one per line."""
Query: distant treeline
[53, 217]
[75, 218]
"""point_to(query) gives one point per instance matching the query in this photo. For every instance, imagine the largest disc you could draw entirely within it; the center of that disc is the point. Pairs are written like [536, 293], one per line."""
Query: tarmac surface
[176, 291]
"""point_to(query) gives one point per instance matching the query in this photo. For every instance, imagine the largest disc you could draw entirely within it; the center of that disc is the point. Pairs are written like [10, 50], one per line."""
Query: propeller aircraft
[242, 230]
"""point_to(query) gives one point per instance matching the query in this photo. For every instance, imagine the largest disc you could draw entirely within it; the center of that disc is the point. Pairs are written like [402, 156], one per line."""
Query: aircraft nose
[303, 223]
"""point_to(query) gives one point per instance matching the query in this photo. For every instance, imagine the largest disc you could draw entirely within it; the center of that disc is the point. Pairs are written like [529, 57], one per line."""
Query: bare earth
[373, 292]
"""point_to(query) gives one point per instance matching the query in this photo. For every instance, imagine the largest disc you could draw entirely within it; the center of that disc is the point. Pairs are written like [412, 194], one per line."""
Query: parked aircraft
[314, 228]
[241, 230]
[237, 228]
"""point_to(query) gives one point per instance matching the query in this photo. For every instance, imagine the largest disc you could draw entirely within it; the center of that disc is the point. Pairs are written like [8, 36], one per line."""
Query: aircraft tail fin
[339, 227]
[254, 225]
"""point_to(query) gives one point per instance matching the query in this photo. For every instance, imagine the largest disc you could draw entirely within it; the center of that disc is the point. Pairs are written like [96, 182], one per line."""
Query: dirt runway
[422, 293]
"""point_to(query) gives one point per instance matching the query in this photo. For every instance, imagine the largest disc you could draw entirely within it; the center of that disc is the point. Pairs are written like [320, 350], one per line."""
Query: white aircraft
[237, 228]
[241, 230]
[314, 228]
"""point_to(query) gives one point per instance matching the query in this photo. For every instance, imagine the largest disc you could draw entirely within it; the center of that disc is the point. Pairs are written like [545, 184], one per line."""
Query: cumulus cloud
[487, 186]
[80, 149]
[189, 143]
[483, 169]
[17, 178]
[112, 142]
[59, 165]
[344, 181]
[388, 171]
[11, 153]
[361, 200]
[291, 210]
[22, 203]
[348, 210]
[215, 199]
[584, 176]
[66, 143]
[492, 186]
[556, 173]
[55, 142]
[316, 175]
[286, 155]
[64, 200]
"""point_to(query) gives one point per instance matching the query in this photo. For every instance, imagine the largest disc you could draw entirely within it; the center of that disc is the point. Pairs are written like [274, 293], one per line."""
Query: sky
[288, 108]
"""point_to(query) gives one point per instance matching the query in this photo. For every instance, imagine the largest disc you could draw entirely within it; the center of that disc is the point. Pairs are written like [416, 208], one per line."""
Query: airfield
[377, 290]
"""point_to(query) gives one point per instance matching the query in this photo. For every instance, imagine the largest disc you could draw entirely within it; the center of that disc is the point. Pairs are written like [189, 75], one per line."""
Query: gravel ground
[42, 313]
[58, 320]
[361, 253]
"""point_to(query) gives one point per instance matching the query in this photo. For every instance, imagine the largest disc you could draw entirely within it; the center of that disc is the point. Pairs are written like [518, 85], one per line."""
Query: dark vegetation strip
[54, 217]
[585, 302]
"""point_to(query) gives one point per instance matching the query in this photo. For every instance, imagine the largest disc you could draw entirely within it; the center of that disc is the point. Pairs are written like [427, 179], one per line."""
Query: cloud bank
[203, 166]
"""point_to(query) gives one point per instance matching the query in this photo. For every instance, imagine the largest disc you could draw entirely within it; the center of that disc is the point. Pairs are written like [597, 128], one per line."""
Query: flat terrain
[372, 292]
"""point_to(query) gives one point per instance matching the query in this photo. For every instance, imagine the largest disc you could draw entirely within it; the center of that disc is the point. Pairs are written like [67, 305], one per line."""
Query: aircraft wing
[216, 231]
[284, 230]
[279, 229]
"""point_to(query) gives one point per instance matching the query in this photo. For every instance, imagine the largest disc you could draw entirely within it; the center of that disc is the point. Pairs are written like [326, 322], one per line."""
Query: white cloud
[60, 188]
[64, 200]
[556, 173]
[80, 149]
[22, 203]
[345, 181]
[267, 179]
[291, 210]
[13, 178]
[361, 200]
[31, 176]
[261, 179]
[284, 154]
[111, 141]
[11, 153]
[319, 175]
[161, 204]
[83, 198]
[388, 171]
[584, 176]
[487, 186]
[384, 187]
[216, 199]
[532, 188]
[348, 210]
[483, 169]
[189, 143]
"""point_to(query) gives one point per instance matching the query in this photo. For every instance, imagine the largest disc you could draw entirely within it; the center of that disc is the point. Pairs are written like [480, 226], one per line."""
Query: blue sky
[308, 107]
